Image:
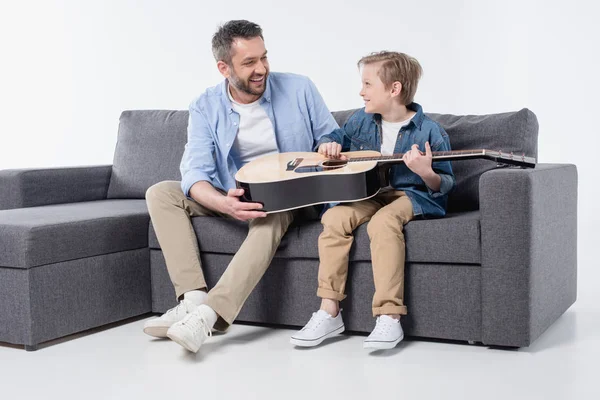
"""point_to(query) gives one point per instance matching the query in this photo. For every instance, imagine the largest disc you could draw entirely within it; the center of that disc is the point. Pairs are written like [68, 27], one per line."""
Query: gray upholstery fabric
[443, 299]
[149, 149]
[454, 239]
[529, 250]
[73, 296]
[49, 234]
[15, 309]
[39, 187]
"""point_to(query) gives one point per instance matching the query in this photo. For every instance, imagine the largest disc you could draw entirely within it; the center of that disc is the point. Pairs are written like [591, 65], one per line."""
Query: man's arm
[321, 120]
[198, 167]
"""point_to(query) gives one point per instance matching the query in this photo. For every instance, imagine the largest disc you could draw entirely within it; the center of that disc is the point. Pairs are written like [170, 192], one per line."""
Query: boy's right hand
[331, 150]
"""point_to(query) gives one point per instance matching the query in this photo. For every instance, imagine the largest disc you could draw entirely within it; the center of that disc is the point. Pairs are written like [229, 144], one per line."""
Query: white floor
[256, 362]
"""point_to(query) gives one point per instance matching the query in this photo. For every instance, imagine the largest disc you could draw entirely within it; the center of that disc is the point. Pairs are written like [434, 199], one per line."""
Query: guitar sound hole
[332, 164]
[327, 165]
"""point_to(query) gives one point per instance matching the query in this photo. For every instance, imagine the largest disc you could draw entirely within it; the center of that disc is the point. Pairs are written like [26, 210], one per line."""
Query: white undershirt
[390, 135]
[255, 136]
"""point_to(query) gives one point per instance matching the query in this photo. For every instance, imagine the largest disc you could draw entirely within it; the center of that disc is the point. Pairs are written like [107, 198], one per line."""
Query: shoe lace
[183, 304]
[314, 322]
[197, 323]
[382, 326]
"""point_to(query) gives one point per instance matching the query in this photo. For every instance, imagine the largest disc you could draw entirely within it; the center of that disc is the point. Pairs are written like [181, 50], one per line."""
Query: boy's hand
[418, 162]
[331, 150]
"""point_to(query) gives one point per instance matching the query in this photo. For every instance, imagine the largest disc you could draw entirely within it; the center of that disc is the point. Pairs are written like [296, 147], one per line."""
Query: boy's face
[378, 99]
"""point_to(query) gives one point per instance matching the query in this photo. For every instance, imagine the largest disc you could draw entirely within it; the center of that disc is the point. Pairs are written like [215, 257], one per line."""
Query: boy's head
[388, 79]
[241, 56]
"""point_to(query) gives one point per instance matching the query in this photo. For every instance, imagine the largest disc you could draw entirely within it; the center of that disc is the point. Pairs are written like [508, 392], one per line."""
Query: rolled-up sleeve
[198, 162]
[442, 168]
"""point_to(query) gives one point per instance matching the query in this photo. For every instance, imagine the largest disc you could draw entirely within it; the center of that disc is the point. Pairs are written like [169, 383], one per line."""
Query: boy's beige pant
[171, 212]
[388, 213]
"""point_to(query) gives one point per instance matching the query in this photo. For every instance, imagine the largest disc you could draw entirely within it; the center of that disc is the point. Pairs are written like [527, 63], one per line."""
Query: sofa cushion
[55, 233]
[149, 148]
[510, 132]
[453, 239]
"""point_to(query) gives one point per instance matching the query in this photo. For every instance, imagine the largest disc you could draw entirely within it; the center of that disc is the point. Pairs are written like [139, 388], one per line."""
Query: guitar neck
[499, 156]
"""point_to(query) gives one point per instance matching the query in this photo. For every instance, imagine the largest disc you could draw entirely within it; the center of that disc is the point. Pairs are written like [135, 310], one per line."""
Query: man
[251, 113]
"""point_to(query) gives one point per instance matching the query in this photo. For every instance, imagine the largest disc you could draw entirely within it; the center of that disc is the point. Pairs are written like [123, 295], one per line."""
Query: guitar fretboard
[435, 154]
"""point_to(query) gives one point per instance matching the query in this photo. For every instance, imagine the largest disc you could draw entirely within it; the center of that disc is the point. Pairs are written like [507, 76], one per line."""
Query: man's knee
[162, 191]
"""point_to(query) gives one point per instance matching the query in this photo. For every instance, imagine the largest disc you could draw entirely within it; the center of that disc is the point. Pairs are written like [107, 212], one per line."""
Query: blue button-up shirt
[294, 106]
[363, 131]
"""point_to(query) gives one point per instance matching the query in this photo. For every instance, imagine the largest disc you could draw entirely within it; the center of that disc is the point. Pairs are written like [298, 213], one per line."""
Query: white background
[68, 69]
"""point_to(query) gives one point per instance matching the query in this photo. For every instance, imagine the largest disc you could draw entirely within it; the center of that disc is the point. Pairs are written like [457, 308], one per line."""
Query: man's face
[377, 98]
[249, 66]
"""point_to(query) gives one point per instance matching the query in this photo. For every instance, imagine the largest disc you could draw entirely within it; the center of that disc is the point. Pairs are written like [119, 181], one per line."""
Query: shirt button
[235, 123]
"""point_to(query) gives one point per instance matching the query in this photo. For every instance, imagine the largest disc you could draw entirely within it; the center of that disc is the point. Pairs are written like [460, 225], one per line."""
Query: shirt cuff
[446, 185]
[191, 178]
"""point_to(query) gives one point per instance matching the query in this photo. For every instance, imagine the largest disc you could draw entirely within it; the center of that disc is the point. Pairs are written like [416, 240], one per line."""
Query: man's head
[388, 78]
[239, 49]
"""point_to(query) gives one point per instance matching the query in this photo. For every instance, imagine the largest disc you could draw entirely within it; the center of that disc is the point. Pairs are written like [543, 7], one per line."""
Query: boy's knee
[383, 222]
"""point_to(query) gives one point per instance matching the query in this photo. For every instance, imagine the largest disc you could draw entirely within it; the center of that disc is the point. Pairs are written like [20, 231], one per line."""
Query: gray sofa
[77, 248]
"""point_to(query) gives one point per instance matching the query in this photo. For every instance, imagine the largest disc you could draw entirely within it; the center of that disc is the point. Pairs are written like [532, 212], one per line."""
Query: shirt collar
[417, 120]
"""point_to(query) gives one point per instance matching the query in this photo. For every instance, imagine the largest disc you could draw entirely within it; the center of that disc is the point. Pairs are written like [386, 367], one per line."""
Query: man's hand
[331, 150]
[239, 210]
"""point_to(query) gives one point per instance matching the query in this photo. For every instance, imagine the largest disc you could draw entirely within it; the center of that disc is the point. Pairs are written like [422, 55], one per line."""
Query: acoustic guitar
[286, 181]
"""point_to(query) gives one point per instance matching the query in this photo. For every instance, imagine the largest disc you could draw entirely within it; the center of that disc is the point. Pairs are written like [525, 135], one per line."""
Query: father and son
[255, 112]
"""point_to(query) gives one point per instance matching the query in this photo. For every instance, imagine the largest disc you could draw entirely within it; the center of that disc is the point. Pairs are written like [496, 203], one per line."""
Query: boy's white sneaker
[191, 332]
[158, 327]
[320, 327]
[386, 335]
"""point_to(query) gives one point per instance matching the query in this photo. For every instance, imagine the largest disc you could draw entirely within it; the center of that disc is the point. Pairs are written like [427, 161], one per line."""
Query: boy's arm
[443, 169]
[437, 175]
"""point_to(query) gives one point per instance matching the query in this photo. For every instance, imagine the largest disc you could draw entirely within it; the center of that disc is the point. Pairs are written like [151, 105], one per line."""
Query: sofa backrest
[149, 148]
[510, 132]
[150, 145]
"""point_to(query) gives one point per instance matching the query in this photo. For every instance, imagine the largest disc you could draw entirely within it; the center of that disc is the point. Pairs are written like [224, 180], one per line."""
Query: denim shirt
[363, 131]
[294, 106]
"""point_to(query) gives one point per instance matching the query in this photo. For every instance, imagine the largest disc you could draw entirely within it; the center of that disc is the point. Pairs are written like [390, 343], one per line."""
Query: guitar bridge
[294, 163]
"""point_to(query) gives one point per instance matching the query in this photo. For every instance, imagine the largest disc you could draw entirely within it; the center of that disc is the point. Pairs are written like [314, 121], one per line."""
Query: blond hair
[397, 67]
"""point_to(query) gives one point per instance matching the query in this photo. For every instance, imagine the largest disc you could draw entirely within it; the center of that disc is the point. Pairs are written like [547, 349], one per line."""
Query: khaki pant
[171, 212]
[388, 213]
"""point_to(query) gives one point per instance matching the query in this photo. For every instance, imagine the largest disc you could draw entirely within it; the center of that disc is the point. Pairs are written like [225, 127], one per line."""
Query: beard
[246, 86]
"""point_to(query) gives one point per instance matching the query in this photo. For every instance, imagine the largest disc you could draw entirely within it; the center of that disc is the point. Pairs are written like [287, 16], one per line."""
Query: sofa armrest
[529, 250]
[37, 187]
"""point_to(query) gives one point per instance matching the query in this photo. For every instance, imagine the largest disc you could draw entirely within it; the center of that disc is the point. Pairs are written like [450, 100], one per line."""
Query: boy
[390, 123]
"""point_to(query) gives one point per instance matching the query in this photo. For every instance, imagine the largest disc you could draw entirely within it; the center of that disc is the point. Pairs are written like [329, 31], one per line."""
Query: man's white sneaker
[320, 327]
[190, 332]
[158, 327]
[386, 335]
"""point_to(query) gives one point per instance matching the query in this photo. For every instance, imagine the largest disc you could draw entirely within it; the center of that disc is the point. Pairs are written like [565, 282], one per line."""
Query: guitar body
[286, 181]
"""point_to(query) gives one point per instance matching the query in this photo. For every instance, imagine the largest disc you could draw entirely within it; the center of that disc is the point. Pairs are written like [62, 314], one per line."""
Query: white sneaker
[386, 335]
[191, 331]
[320, 327]
[158, 327]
